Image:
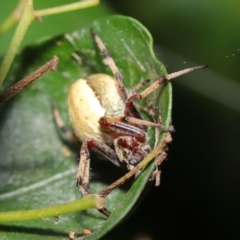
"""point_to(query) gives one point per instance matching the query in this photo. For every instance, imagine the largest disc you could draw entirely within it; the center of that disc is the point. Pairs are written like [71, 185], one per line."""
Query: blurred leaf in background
[54, 24]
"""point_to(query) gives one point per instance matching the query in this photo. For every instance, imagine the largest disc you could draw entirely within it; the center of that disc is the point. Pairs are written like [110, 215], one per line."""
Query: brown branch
[20, 85]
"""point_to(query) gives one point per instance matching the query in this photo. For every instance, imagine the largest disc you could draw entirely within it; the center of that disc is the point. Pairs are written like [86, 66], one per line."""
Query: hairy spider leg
[82, 182]
[130, 109]
[83, 171]
[123, 129]
[110, 62]
[135, 121]
[61, 125]
[161, 81]
[134, 89]
[84, 165]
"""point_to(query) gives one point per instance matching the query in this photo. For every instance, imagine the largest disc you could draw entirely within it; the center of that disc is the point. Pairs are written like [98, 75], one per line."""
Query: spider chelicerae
[105, 120]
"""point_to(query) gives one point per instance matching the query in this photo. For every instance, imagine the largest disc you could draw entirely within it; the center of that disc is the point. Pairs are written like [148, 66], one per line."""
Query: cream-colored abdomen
[92, 98]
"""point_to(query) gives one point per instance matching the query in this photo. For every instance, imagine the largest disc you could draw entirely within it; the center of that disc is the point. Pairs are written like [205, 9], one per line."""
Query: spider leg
[130, 109]
[156, 174]
[134, 89]
[161, 81]
[82, 182]
[122, 128]
[84, 164]
[134, 121]
[110, 62]
[61, 124]
[148, 123]
[83, 170]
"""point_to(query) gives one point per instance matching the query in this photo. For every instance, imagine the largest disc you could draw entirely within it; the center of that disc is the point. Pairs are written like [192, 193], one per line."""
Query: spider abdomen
[90, 99]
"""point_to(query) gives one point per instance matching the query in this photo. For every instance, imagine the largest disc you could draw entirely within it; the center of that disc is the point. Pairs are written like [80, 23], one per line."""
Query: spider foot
[156, 175]
[105, 212]
[169, 129]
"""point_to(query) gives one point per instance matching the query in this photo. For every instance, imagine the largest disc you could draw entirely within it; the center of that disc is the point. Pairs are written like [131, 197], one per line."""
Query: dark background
[199, 193]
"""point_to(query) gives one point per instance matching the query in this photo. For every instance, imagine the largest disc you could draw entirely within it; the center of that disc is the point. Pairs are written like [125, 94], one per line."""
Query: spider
[105, 120]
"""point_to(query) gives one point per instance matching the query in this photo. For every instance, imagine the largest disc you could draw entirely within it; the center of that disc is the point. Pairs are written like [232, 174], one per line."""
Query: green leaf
[34, 172]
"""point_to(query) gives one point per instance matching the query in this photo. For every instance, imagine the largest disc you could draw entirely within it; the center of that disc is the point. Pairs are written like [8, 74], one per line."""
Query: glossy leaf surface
[35, 170]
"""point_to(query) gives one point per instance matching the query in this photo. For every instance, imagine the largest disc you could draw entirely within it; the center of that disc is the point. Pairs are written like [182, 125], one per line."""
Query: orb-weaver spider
[105, 120]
